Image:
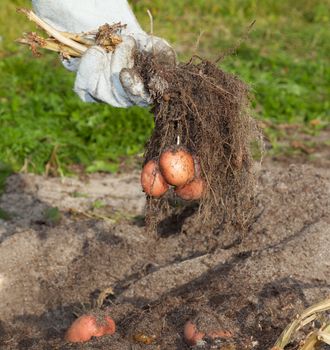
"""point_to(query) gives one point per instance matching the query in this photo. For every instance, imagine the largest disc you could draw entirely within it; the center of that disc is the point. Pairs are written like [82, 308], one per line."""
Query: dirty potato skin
[191, 335]
[194, 190]
[152, 181]
[86, 326]
[177, 166]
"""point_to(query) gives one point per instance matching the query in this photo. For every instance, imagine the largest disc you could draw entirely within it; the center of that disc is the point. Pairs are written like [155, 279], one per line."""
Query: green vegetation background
[285, 60]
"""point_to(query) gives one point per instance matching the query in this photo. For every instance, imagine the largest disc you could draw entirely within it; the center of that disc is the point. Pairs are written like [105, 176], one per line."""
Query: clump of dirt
[205, 110]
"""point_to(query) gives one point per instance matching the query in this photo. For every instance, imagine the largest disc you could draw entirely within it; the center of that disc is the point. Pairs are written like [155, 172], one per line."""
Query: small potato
[152, 181]
[86, 326]
[194, 190]
[191, 335]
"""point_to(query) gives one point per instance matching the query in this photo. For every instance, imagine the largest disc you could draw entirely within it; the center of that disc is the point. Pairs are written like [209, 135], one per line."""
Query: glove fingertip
[134, 87]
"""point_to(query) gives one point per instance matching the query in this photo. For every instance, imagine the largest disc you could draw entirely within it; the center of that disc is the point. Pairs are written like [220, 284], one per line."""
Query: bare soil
[53, 267]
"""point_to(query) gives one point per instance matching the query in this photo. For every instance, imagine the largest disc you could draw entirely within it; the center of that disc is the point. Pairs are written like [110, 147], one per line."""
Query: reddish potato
[191, 334]
[86, 326]
[152, 180]
[194, 190]
[177, 166]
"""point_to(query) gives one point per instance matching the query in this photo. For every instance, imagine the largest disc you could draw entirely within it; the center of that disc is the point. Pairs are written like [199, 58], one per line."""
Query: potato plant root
[206, 111]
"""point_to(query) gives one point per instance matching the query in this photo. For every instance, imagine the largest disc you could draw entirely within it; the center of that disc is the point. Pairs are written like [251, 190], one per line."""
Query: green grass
[52, 215]
[285, 60]
[4, 215]
[5, 171]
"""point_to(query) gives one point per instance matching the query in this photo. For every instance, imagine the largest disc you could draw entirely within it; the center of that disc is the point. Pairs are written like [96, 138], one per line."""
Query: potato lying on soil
[87, 326]
[194, 337]
[191, 335]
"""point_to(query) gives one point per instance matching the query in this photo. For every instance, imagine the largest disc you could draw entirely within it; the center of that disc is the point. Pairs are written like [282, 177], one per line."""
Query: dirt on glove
[206, 111]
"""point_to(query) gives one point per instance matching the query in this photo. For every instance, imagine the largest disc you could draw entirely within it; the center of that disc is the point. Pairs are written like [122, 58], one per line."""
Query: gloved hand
[102, 76]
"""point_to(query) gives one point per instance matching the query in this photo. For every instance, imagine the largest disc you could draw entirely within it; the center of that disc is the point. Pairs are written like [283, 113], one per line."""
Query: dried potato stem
[324, 335]
[48, 44]
[65, 40]
[71, 44]
[302, 320]
[79, 38]
[316, 338]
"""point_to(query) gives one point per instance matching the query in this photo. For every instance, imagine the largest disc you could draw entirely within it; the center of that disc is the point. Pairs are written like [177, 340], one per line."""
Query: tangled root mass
[206, 111]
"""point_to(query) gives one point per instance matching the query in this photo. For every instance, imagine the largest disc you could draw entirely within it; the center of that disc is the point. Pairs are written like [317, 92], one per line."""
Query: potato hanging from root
[177, 166]
[192, 191]
[195, 189]
[152, 181]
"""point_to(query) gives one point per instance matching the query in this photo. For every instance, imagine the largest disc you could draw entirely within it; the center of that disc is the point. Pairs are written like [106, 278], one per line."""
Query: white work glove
[102, 76]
